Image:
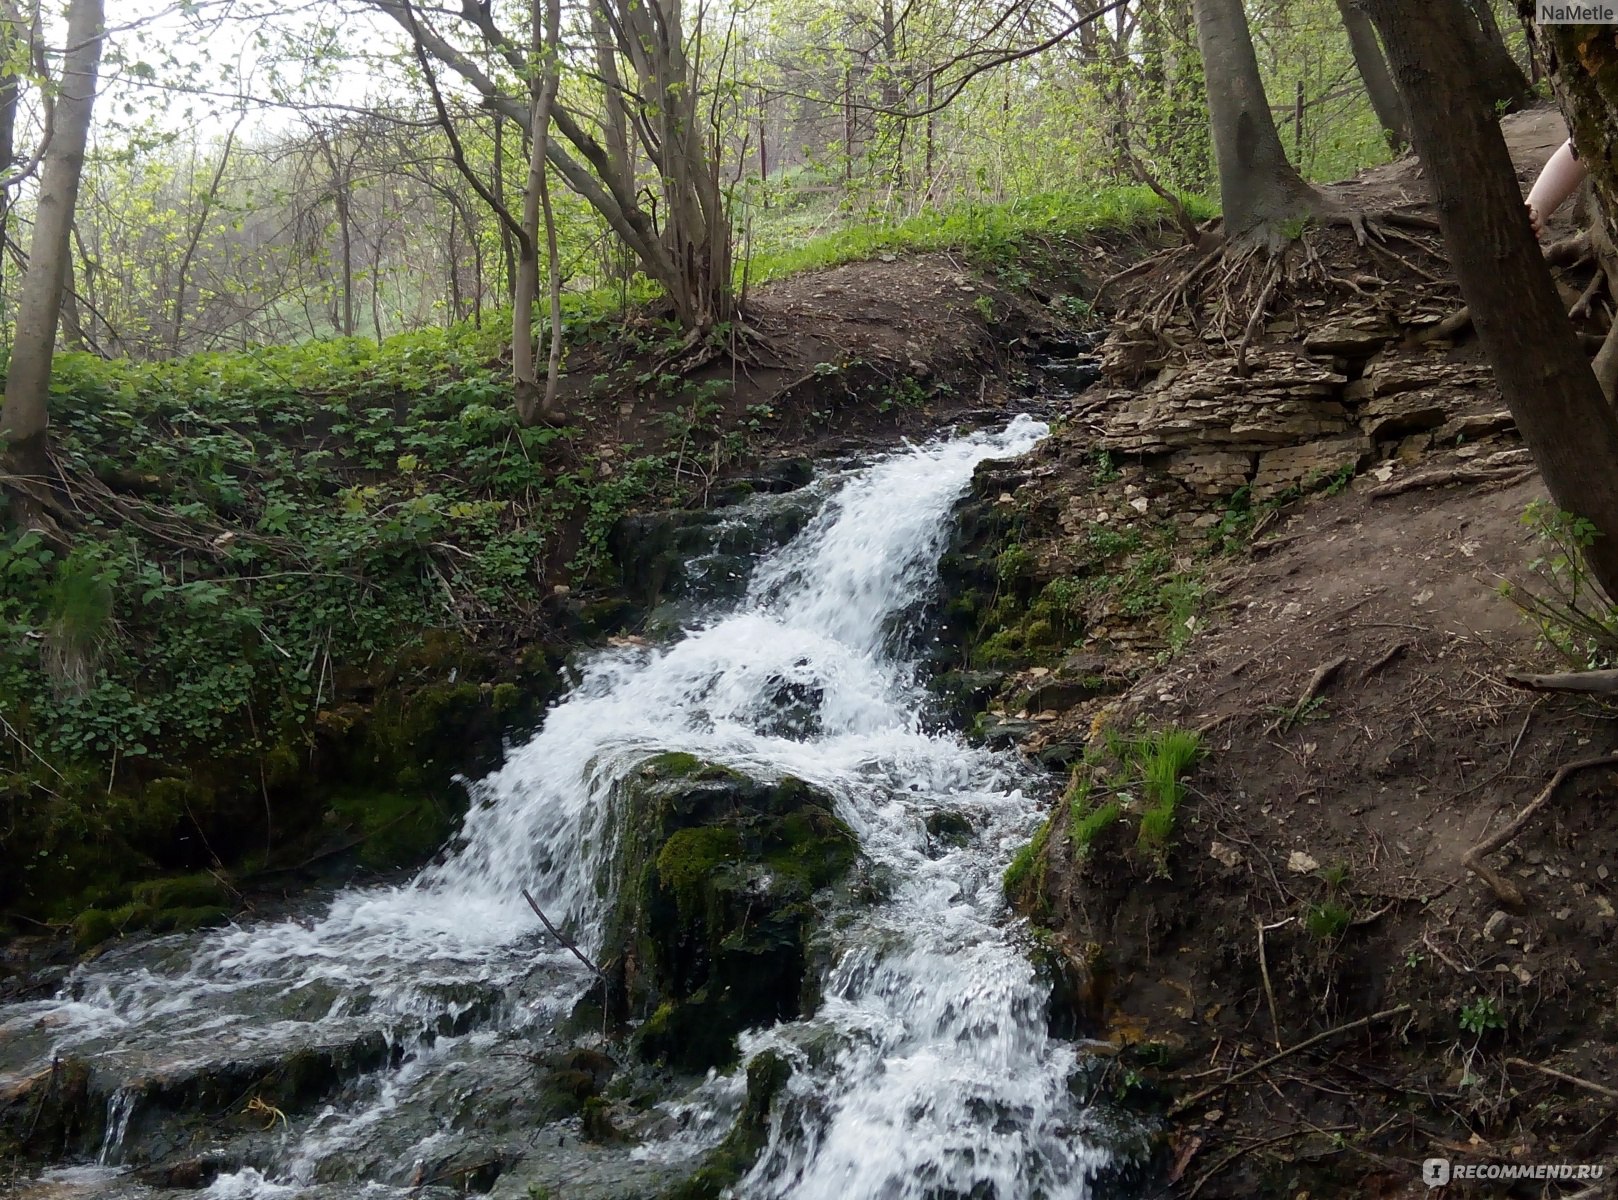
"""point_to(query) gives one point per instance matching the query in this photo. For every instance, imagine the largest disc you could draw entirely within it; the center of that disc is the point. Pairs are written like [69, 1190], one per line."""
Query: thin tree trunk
[209, 199]
[508, 245]
[1260, 191]
[1494, 71]
[1373, 68]
[525, 381]
[548, 85]
[1538, 363]
[25, 417]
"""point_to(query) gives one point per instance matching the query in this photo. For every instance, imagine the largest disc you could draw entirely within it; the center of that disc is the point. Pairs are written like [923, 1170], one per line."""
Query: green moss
[691, 857]
[505, 697]
[725, 1165]
[184, 891]
[398, 830]
[96, 925]
[174, 920]
[1026, 873]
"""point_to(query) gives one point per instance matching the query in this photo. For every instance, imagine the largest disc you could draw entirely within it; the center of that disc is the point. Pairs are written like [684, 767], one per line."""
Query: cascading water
[926, 1071]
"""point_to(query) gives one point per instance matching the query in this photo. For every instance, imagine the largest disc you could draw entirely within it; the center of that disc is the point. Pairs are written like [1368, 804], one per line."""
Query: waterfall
[926, 1071]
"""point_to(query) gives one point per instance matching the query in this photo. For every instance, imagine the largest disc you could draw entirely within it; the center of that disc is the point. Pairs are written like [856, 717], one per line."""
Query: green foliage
[1026, 873]
[1327, 920]
[1481, 1016]
[1564, 602]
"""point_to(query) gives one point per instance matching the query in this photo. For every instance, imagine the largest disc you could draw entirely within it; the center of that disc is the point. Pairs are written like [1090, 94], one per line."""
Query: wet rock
[767, 1075]
[715, 904]
[949, 828]
[1001, 732]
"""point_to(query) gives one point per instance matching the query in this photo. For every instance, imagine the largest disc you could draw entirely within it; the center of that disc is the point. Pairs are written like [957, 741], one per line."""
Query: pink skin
[1558, 180]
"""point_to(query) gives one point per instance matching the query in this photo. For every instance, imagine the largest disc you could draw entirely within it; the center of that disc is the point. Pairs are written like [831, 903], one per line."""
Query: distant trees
[24, 416]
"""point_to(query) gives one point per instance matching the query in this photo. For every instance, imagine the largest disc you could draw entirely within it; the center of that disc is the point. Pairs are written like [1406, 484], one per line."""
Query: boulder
[715, 882]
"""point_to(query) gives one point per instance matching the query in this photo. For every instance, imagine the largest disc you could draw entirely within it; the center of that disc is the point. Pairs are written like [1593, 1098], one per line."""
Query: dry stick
[562, 937]
[1269, 992]
[1505, 891]
[1596, 683]
[1601, 1089]
[1193, 1100]
[1381, 660]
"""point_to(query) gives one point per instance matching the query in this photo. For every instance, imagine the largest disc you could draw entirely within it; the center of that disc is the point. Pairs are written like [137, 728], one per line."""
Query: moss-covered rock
[727, 1162]
[716, 879]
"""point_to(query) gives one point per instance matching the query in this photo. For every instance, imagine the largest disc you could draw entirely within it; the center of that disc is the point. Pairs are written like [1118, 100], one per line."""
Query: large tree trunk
[1583, 64]
[25, 418]
[1538, 362]
[1260, 192]
[1373, 68]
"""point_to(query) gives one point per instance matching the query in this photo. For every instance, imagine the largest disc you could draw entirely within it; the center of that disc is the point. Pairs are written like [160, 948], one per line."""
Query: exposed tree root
[1504, 890]
[1496, 475]
[1595, 683]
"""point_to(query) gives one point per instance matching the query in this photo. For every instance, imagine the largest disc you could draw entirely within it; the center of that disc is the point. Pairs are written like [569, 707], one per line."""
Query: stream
[925, 1073]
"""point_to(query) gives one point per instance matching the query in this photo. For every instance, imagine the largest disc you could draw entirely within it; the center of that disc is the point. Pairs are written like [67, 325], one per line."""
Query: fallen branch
[1197, 1098]
[562, 937]
[1504, 890]
[1595, 683]
[1598, 1088]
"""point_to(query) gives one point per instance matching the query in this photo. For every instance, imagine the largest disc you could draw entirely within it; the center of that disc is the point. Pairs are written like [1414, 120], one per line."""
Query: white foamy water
[926, 1071]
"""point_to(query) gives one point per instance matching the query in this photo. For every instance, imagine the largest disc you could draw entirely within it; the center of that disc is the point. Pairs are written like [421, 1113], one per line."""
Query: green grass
[992, 231]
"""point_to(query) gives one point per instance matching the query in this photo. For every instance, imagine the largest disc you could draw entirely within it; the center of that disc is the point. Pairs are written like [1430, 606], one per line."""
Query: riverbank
[1295, 564]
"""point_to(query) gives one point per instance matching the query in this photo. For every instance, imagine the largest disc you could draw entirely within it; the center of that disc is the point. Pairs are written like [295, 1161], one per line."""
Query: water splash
[927, 1071]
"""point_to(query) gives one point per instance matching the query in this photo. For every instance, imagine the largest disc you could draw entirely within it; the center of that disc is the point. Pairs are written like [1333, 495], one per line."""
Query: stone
[1491, 927]
[1350, 340]
[1387, 417]
[1212, 472]
[1300, 863]
[1303, 466]
[1469, 427]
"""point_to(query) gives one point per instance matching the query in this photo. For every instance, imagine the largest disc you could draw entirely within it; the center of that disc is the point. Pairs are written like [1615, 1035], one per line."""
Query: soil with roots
[1309, 987]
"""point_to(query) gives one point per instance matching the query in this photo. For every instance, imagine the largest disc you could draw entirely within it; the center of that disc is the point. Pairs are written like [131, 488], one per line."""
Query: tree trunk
[1260, 193]
[1538, 362]
[1494, 72]
[1584, 73]
[24, 417]
[1386, 102]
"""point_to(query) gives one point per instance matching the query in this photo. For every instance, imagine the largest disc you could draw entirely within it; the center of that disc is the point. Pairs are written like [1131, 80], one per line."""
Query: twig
[562, 937]
[1381, 660]
[1505, 891]
[1197, 1098]
[1269, 992]
[1599, 1088]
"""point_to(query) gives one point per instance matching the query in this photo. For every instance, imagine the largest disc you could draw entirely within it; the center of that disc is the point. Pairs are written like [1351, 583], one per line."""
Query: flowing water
[926, 1071]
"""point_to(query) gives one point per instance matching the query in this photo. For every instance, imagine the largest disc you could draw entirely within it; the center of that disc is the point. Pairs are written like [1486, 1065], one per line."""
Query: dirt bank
[1301, 563]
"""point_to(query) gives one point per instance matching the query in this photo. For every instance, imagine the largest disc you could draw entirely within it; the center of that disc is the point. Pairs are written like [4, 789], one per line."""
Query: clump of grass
[1164, 758]
[79, 618]
[1086, 822]
[1328, 920]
